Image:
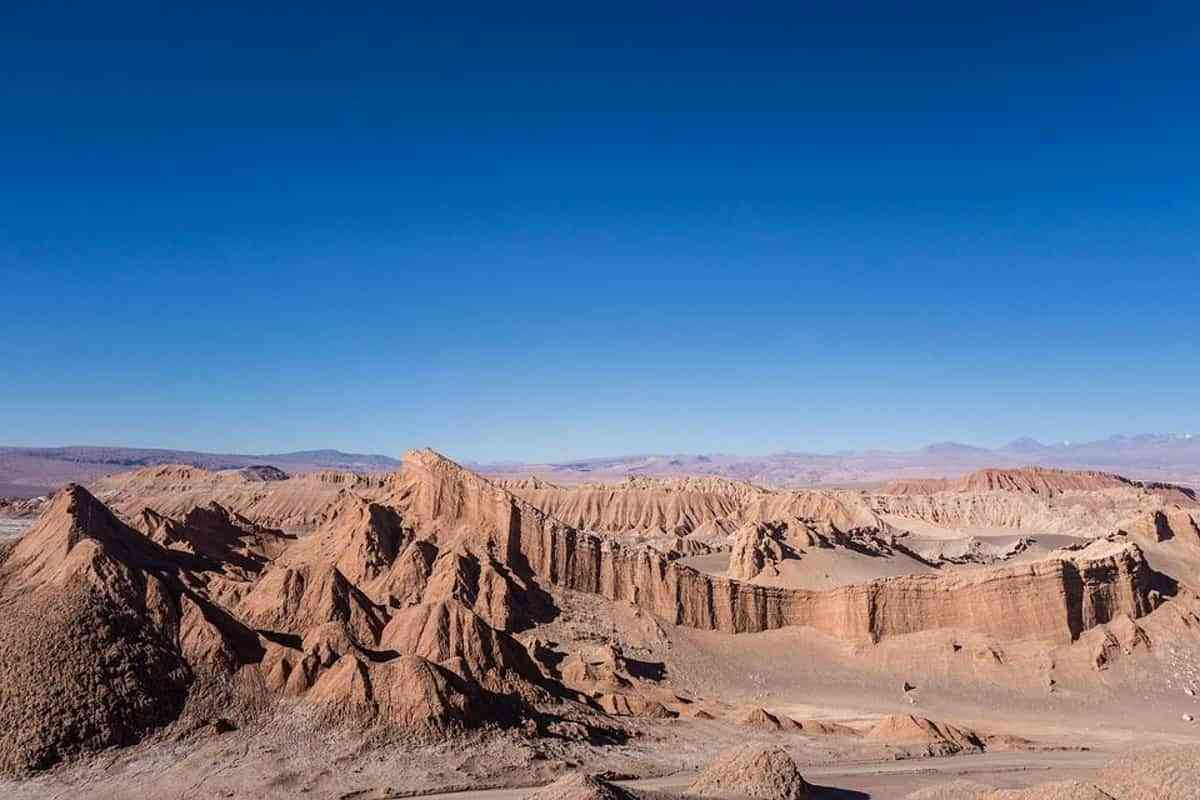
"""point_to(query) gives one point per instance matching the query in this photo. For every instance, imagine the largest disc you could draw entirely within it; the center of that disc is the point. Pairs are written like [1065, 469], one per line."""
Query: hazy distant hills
[31, 470]
[1166, 457]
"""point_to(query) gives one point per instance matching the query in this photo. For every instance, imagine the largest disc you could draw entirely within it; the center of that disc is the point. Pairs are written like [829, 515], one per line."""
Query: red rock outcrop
[1054, 599]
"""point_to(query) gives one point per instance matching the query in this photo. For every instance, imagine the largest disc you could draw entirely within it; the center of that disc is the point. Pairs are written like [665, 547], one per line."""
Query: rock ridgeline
[111, 633]
[397, 613]
[1036, 480]
[1056, 599]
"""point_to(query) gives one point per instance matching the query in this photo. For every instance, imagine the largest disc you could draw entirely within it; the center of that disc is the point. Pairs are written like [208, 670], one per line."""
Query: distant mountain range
[26, 471]
[1163, 457]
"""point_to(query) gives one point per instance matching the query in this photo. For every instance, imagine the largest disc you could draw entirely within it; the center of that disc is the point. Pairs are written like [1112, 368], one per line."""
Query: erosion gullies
[112, 634]
[1036, 499]
[87, 636]
[649, 505]
[297, 501]
[400, 610]
[1036, 480]
[1054, 599]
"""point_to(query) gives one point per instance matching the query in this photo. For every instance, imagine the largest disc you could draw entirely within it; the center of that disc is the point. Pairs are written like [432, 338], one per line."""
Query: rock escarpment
[1054, 599]
[400, 612]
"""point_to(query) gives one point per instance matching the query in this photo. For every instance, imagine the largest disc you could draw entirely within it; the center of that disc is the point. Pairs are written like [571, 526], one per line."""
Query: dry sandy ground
[881, 780]
[248, 766]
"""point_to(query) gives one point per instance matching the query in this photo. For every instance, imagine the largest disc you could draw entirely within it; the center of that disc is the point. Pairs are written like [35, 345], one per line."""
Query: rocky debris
[934, 738]
[87, 637]
[752, 771]
[819, 727]
[225, 539]
[581, 786]
[758, 547]
[359, 537]
[974, 550]
[1165, 772]
[955, 790]
[759, 717]
[22, 507]
[1058, 790]
[1164, 524]
[1122, 636]
[761, 547]
[599, 668]
[626, 705]
[967, 790]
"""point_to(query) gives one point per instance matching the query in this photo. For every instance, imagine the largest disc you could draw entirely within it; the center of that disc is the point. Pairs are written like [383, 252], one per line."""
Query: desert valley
[177, 631]
[552, 401]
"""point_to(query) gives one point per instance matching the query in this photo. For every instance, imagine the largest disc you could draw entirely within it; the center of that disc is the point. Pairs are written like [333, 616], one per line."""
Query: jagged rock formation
[757, 547]
[753, 771]
[1165, 524]
[936, 738]
[111, 633]
[761, 551]
[581, 786]
[397, 612]
[21, 507]
[1038, 480]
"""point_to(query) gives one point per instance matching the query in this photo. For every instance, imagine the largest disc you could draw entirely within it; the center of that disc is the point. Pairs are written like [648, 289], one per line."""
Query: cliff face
[397, 613]
[1055, 599]
[1070, 512]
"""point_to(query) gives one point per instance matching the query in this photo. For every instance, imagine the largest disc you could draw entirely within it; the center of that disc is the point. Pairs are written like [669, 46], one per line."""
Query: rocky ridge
[399, 612]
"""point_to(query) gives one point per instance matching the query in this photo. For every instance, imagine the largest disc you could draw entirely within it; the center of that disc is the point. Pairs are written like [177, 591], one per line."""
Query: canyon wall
[1054, 599]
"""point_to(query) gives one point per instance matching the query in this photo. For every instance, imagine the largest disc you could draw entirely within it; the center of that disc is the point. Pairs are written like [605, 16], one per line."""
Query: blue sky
[552, 232]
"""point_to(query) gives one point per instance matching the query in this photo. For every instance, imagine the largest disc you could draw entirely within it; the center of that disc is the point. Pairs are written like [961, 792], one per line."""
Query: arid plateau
[1012, 632]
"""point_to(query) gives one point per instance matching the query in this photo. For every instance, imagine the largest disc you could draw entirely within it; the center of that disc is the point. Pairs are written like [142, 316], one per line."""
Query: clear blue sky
[548, 231]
